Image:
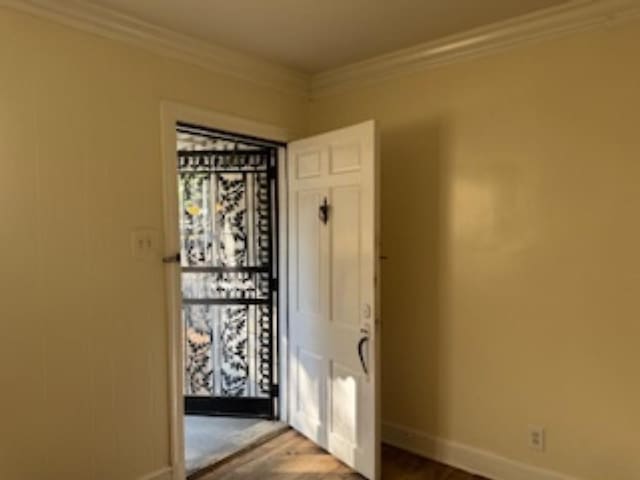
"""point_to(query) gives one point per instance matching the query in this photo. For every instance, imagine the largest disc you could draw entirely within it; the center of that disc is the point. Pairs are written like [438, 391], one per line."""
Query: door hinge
[274, 284]
[275, 390]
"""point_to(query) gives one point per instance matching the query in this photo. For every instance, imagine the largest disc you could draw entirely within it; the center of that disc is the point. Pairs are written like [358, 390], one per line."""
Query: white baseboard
[464, 457]
[163, 474]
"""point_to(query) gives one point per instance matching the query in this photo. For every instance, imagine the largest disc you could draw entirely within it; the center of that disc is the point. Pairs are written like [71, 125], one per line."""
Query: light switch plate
[144, 243]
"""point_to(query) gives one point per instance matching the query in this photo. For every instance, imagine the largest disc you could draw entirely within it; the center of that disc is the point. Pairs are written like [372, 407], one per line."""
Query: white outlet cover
[537, 438]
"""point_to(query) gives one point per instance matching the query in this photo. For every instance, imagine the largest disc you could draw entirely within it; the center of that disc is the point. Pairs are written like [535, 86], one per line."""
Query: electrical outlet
[536, 438]
[144, 242]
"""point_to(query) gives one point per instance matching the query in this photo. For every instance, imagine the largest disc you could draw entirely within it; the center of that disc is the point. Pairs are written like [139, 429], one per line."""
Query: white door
[332, 294]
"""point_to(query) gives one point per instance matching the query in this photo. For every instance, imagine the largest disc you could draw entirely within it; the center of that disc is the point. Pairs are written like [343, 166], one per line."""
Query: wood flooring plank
[290, 456]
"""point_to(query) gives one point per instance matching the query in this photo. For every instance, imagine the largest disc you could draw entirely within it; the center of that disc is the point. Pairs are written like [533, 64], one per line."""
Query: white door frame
[172, 113]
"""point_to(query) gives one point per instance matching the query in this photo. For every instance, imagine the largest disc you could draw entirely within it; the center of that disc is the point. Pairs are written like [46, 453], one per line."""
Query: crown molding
[117, 26]
[572, 17]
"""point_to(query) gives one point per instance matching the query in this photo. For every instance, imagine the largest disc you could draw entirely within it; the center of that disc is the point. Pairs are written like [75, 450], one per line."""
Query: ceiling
[318, 35]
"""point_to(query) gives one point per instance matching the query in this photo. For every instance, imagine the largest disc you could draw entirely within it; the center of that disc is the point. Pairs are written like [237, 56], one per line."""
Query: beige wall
[510, 193]
[83, 360]
[511, 187]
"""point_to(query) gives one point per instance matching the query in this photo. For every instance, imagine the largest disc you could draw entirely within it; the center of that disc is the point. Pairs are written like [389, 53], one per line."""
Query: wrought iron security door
[228, 197]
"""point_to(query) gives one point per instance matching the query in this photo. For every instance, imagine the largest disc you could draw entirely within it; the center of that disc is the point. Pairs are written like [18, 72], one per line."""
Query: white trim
[378, 302]
[109, 23]
[172, 292]
[172, 113]
[229, 123]
[162, 474]
[283, 286]
[574, 16]
[471, 459]
[571, 17]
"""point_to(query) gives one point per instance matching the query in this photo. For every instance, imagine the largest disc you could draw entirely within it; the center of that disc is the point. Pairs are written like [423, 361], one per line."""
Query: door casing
[171, 114]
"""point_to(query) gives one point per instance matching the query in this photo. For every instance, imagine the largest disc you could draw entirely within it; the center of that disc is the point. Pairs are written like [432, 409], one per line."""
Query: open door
[333, 255]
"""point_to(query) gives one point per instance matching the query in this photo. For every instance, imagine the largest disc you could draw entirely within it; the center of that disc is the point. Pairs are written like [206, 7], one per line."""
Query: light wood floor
[290, 456]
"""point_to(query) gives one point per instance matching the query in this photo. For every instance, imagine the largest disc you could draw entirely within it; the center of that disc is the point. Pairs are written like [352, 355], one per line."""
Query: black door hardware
[175, 258]
[323, 211]
[361, 344]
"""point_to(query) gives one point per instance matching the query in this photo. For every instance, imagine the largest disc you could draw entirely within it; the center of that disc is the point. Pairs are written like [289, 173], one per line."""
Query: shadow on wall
[414, 272]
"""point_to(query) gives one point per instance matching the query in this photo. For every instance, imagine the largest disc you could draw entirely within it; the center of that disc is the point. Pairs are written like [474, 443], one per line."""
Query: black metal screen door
[228, 196]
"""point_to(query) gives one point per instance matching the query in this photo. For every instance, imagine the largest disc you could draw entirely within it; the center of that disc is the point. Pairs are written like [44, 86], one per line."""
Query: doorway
[228, 258]
[322, 281]
[227, 195]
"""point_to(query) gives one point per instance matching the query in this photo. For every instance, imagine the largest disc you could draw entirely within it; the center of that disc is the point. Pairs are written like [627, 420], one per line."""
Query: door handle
[175, 258]
[361, 343]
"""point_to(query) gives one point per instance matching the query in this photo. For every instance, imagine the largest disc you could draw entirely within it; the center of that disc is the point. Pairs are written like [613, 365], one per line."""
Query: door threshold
[231, 454]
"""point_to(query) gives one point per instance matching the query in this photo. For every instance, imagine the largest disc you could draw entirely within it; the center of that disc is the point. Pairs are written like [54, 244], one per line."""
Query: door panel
[309, 260]
[345, 158]
[309, 399]
[308, 165]
[345, 256]
[343, 398]
[332, 260]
